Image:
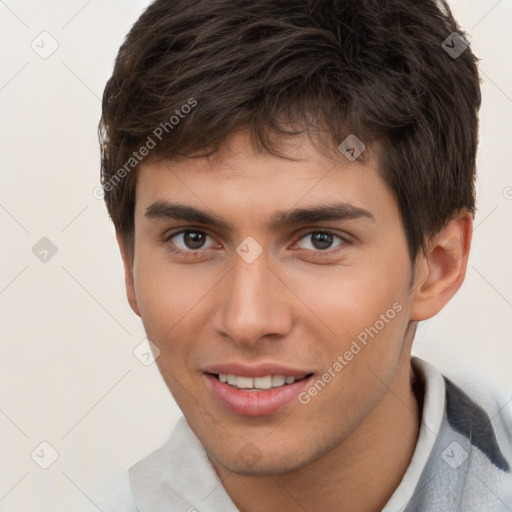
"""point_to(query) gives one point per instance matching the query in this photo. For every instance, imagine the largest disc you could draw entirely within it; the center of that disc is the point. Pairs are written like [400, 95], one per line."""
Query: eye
[189, 240]
[321, 240]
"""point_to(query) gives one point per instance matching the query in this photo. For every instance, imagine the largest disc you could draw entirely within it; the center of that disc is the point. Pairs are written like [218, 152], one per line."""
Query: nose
[252, 303]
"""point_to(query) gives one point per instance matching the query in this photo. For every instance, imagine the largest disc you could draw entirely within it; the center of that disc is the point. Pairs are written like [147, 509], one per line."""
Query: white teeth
[263, 382]
[267, 382]
[278, 380]
[245, 382]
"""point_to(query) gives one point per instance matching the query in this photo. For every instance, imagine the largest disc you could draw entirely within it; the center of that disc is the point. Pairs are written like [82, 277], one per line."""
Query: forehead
[241, 179]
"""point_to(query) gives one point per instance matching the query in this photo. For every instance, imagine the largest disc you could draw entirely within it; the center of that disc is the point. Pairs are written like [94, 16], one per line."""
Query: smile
[257, 383]
[255, 396]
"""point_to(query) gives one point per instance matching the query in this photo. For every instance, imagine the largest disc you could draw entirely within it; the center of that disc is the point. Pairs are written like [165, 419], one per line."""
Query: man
[292, 186]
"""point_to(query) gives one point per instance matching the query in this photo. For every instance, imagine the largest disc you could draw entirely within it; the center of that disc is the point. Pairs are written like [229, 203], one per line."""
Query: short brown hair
[373, 68]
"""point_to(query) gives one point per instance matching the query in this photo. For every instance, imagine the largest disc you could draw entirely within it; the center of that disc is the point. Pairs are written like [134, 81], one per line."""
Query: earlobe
[128, 273]
[441, 272]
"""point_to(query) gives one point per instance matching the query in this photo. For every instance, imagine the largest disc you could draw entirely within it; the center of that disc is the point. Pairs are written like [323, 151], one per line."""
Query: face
[256, 270]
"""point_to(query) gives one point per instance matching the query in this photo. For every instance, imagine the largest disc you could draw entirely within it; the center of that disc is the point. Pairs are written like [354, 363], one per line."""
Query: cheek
[175, 303]
[360, 312]
[349, 297]
[164, 296]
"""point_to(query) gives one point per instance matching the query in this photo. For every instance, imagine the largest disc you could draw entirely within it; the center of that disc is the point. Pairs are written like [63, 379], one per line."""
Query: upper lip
[257, 370]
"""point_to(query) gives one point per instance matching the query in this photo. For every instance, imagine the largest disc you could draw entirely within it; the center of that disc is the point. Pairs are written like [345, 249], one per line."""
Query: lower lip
[255, 403]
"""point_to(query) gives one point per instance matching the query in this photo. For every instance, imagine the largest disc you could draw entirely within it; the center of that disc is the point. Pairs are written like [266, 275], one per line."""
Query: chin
[262, 464]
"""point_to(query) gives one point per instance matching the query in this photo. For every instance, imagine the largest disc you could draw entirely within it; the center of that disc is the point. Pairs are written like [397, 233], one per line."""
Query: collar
[179, 474]
[431, 418]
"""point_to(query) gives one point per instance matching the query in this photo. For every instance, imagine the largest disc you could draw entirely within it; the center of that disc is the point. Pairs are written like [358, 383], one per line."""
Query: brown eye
[193, 240]
[189, 240]
[321, 240]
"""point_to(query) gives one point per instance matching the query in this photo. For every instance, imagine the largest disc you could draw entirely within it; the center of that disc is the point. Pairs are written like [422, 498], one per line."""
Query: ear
[440, 273]
[128, 273]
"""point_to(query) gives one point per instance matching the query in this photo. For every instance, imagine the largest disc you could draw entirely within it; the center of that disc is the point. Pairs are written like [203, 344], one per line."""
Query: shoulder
[469, 467]
[482, 414]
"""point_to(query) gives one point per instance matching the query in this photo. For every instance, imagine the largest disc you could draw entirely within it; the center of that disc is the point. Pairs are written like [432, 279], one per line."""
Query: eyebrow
[281, 218]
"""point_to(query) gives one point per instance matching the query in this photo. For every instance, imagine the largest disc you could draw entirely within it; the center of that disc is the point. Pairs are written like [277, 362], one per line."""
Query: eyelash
[199, 252]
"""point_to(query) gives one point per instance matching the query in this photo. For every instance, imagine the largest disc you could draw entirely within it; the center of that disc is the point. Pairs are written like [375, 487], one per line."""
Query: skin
[297, 304]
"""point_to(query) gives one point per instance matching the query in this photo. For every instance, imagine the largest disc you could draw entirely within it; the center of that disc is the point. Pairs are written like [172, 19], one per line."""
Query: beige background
[68, 375]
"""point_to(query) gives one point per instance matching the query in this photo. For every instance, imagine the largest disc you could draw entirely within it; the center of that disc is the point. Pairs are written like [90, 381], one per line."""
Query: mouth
[255, 396]
[258, 383]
